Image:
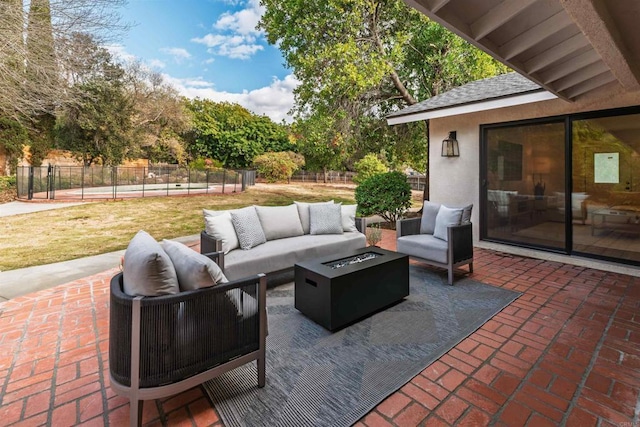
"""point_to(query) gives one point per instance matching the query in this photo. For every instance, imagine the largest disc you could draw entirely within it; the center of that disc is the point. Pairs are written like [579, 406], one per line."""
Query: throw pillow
[466, 214]
[325, 219]
[303, 211]
[148, 270]
[194, 270]
[429, 213]
[349, 218]
[221, 228]
[446, 217]
[279, 222]
[209, 212]
[248, 228]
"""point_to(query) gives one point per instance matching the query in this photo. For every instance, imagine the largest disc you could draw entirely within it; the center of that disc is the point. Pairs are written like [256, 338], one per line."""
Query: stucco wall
[455, 181]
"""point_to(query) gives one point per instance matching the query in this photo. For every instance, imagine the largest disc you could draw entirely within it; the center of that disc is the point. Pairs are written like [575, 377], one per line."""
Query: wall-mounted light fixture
[450, 145]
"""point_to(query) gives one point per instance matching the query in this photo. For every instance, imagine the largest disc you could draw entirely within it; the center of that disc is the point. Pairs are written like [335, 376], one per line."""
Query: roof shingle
[501, 86]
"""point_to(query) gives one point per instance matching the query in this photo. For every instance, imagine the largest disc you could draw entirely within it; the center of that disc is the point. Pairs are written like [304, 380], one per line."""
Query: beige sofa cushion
[279, 222]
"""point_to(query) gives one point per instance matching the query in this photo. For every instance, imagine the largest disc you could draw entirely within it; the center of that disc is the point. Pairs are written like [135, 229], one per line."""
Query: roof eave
[473, 107]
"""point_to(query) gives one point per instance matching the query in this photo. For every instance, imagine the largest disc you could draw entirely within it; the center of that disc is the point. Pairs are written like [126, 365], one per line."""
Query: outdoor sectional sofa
[271, 239]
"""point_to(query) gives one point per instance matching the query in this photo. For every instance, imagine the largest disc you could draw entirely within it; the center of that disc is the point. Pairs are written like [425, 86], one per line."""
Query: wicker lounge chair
[160, 346]
[449, 246]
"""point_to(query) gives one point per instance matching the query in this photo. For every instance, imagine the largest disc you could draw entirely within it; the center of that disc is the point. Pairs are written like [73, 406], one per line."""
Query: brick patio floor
[567, 352]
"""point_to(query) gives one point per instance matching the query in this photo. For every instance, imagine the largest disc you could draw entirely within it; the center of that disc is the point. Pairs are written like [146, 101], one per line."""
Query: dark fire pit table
[338, 290]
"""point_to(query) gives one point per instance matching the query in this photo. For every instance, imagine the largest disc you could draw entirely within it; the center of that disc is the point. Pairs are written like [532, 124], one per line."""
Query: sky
[210, 49]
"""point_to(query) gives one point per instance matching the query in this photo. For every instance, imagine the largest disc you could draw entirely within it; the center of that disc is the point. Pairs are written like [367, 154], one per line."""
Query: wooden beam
[436, 5]
[590, 85]
[582, 75]
[595, 22]
[535, 34]
[567, 67]
[498, 16]
[556, 53]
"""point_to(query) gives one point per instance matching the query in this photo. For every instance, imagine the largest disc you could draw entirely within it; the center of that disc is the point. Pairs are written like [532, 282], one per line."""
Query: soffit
[569, 47]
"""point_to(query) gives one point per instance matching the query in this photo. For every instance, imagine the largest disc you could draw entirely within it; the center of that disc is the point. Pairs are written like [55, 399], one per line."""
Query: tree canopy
[358, 60]
[231, 134]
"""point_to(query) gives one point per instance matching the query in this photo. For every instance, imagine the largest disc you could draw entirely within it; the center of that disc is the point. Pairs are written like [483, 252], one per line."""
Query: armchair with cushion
[166, 336]
[442, 237]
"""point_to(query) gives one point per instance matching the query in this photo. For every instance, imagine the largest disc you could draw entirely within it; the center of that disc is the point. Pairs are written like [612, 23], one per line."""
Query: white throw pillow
[194, 270]
[148, 270]
[221, 228]
[209, 212]
[325, 219]
[303, 211]
[349, 218]
[248, 228]
[446, 217]
[279, 222]
[429, 214]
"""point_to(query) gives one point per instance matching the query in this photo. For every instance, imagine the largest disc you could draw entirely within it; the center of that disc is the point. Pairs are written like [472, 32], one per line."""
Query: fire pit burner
[343, 262]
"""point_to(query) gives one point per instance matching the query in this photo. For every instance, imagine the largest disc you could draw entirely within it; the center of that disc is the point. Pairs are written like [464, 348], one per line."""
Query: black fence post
[114, 181]
[30, 184]
[224, 179]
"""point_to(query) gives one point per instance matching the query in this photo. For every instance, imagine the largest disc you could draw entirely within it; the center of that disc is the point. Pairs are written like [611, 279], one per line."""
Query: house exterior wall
[455, 181]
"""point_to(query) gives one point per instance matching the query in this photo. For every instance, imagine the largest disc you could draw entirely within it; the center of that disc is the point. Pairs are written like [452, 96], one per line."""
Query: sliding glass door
[525, 184]
[606, 186]
[532, 196]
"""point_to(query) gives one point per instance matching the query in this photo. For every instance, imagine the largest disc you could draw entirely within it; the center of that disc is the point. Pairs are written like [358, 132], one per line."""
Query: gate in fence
[98, 182]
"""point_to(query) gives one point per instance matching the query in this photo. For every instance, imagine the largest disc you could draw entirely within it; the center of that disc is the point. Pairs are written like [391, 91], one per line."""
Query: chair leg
[135, 412]
[470, 267]
[450, 274]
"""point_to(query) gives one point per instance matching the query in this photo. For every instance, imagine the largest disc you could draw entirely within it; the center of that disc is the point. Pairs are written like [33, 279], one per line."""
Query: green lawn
[99, 227]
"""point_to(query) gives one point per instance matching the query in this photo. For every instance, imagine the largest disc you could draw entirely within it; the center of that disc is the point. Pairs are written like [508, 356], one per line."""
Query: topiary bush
[368, 166]
[386, 194]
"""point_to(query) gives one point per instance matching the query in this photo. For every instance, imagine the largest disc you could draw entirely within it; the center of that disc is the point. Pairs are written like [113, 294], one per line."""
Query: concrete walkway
[19, 208]
[14, 283]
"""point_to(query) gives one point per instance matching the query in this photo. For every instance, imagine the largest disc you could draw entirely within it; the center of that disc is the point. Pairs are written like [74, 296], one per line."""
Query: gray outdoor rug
[319, 378]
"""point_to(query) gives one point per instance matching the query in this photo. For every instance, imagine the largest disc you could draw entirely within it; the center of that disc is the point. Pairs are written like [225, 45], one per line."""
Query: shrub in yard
[368, 166]
[7, 182]
[274, 167]
[386, 194]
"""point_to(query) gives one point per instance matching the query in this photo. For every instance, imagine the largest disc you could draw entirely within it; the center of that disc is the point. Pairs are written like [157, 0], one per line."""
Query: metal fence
[332, 177]
[101, 182]
[416, 182]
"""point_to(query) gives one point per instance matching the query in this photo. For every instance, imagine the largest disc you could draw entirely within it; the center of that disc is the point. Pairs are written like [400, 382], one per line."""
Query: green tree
[320, 143]
[231, 134]
[358, 60]
[13, 137]
[98, 127]
[368, 166]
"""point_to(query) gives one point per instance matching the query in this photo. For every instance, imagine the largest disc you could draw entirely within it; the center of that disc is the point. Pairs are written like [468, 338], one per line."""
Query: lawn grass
[99, 227]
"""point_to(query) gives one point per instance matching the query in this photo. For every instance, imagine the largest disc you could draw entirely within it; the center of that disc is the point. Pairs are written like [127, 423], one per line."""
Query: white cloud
[237, 34]
[240, 51]
[156, 63]
[119, 52]
[232, 46]
[177, 53]
[274, 100]
[244, 21]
